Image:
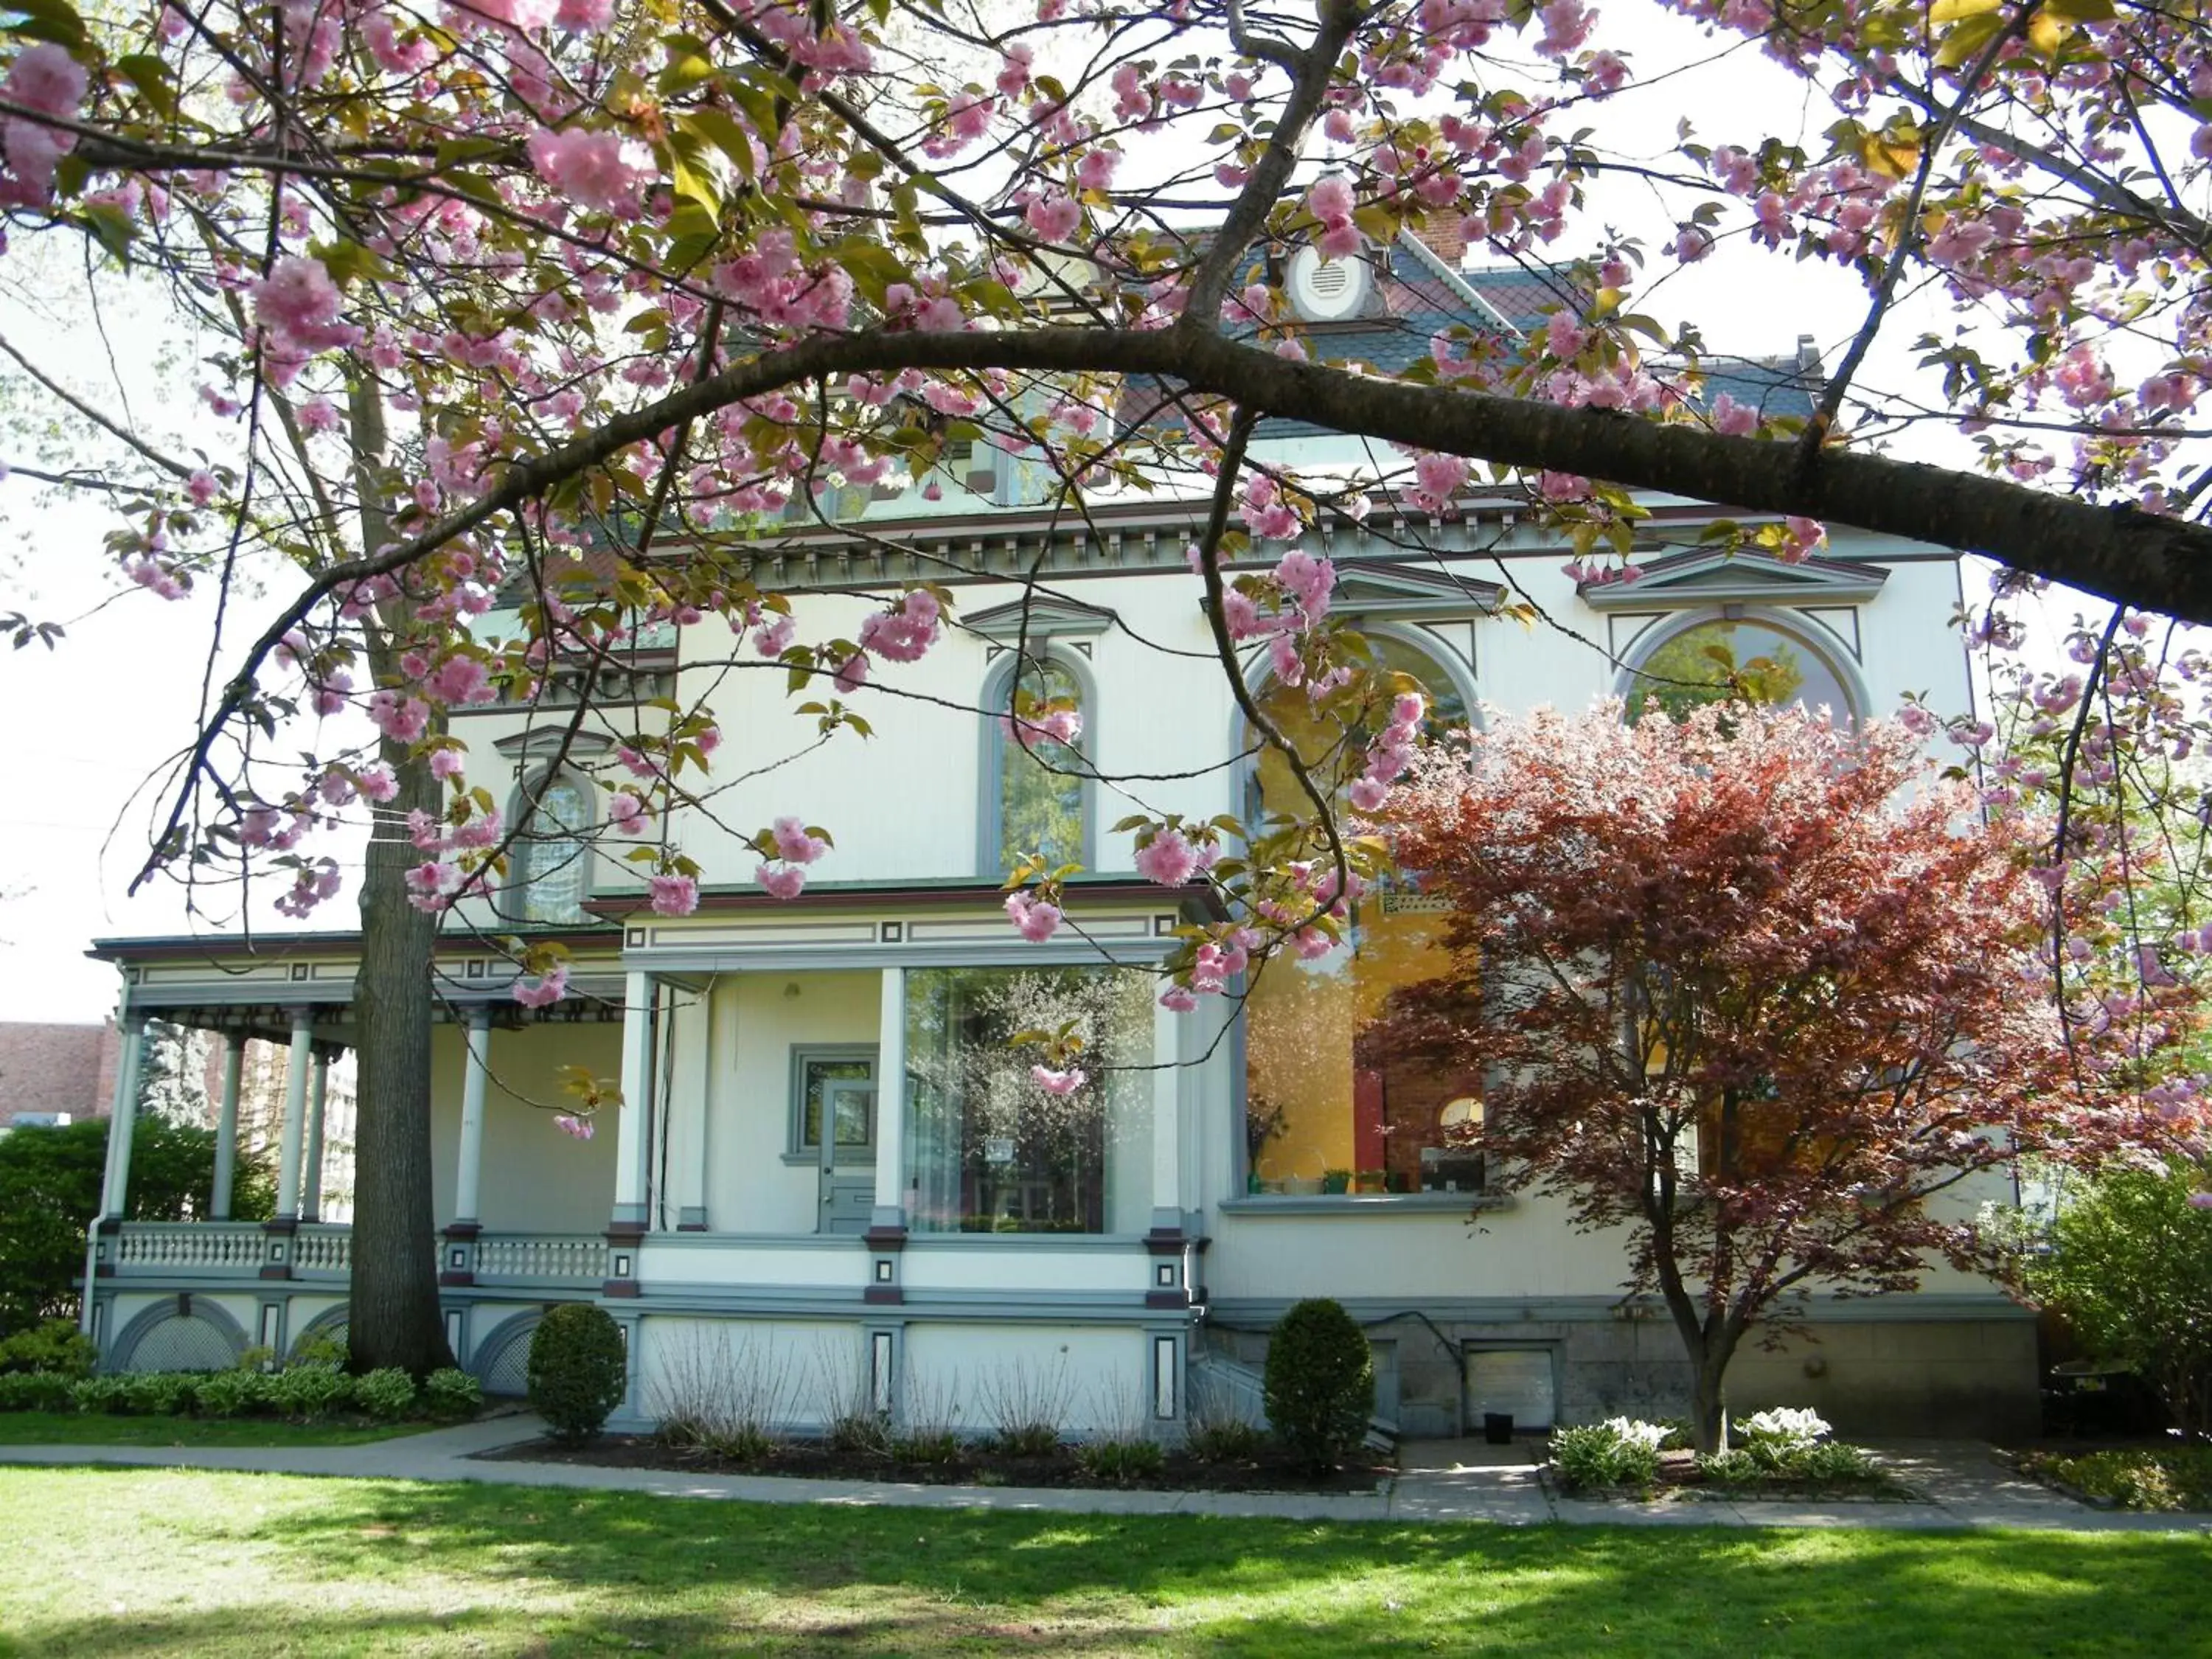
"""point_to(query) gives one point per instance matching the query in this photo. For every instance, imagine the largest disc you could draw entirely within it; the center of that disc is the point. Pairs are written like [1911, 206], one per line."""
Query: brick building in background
[57, 1073]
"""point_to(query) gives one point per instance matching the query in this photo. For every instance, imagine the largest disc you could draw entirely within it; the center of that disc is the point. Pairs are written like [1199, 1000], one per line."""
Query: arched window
[1036, 789]
[551, 856]
[1685, 666]
[1326, 1110]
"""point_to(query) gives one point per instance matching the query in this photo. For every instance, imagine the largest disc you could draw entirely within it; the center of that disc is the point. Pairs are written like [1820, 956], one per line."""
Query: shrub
[36, 1391]
[1026, 1406]
[307, 1392]
[1730, 1469]
[1621, 1452]
[1122, 1458]
[1226, 1440]
[53, 1346]
[578, 1370]
[2130, 1269]
[866, 1433]
[1320, 1387]
[260, 1357]
[231, 1393]
[2167, 1477]
[387, 1393]
[936, 1445]
[319, 1348]
[101, 1394]
[452, 1392]
[158, 1394]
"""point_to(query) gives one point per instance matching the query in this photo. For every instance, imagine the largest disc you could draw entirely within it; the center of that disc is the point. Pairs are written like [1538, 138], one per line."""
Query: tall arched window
[1036, 789]
[551, 858]
[1326, 1110]
[1751, 659]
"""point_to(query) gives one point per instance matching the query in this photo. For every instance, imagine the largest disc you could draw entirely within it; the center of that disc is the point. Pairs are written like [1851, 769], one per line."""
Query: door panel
[848, 1183]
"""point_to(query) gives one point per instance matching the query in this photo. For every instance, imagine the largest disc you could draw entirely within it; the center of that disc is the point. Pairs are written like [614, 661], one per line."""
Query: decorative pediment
[1702, 576]
[1041, 616]
[1386, 590]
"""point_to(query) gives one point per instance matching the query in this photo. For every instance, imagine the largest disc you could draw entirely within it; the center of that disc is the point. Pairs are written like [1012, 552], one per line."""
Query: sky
[90, 723]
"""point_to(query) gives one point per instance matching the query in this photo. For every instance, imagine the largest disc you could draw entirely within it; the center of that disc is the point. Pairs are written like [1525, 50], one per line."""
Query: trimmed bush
[36, 1391]
[1320, 1386]
[452, 1392]
[158, 1394]
[868, 1432]
[230, 1393]
[578, 1370]
[1027, 1440]
[387, 1395]
[307, 1392]
[55, 1346]
[927, 1445]
[102, 1394]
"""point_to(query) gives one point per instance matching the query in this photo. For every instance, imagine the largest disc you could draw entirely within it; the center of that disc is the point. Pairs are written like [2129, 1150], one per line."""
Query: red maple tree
[1754, 988]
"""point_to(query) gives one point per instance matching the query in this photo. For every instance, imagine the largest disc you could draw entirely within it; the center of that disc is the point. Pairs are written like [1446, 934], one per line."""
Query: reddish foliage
[1755, 987]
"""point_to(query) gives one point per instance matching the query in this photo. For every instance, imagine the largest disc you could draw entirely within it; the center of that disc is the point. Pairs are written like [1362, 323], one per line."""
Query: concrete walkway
[1447, 1481]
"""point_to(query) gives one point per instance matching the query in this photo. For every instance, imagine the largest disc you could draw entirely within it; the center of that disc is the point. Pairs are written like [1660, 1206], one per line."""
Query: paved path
[1440, 1480]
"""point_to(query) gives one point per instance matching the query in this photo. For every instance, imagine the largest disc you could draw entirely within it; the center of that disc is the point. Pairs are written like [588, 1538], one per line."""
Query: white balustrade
[541, 1257]
[156, 1247]
[320, 1249]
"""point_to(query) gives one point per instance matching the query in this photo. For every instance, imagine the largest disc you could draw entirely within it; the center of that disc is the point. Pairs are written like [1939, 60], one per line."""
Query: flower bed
[1780, 1453]
[944, 1459]
[2159, 1478]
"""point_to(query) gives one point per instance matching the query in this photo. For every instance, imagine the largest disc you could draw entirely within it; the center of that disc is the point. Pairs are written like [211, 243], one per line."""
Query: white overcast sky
[87, 724]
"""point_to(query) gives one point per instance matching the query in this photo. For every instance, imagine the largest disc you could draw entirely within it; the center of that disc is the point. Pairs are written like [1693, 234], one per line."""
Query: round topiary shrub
[1320, 1387]
[578, 1370]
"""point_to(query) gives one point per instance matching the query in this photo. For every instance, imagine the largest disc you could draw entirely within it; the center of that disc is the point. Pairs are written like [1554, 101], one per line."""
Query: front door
[849, 1145]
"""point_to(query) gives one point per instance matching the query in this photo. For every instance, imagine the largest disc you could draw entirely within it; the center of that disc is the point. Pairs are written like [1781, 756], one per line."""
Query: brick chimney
[1441, 236]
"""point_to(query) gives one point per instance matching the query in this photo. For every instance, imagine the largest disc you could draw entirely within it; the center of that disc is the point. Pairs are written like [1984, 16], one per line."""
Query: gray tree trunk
[394, 1319]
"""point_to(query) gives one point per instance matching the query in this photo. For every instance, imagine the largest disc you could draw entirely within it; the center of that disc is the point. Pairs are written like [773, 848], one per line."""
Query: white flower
[1789, 1426]
[1630, 1432]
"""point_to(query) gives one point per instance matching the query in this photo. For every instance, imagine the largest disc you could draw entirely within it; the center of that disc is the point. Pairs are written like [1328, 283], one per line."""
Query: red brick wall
[57, 1068]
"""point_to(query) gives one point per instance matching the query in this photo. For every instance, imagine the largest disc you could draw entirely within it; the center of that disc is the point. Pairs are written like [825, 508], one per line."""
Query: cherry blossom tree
[497, 283]
[1754, 989]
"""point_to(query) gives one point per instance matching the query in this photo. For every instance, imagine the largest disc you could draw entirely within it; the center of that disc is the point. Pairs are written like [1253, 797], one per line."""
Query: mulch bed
[1680, 1479]
[977, 1465]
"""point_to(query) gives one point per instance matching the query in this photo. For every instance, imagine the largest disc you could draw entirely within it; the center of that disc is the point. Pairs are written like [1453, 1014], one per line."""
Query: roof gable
[1714, 576]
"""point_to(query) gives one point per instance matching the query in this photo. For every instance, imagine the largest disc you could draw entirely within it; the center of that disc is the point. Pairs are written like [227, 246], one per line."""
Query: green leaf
[151, 76]
[48, 20]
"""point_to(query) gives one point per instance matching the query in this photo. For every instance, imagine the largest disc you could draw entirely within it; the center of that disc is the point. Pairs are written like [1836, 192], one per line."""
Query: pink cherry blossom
[782, 881]
[1058, 1083]
[1053, 216]
[626, 814]
[600, 170]
[674, 896]
[571, 1123]
[1166, 859]
[377, 783]
[1037, 919]
[545, 990]
[1178, 998]
[401, 719]
[795, 845]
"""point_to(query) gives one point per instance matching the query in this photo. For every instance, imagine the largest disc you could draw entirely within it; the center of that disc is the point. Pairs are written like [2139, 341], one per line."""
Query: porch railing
[540, 1258]
[159, 1247]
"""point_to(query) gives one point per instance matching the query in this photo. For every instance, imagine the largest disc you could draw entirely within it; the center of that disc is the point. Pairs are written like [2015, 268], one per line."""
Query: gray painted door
[1516, 1380]
[849, 1185]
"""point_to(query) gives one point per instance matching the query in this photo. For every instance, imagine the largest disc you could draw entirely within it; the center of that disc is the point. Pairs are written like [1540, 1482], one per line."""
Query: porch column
[311, 1167]
[130, 1067]
[633, 1160]
[476, 1074]
[297, 1065]
[1167, 1120]
[225, 1126]
[890, 1103]
[1171, 1269]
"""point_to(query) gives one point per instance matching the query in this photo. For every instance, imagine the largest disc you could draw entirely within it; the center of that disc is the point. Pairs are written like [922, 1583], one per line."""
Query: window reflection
[551, 855]
[1736, 661]
[1040, 782]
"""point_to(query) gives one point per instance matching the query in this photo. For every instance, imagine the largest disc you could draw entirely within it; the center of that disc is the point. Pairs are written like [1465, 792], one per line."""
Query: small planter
[1498, 1428]
[1371, 1181]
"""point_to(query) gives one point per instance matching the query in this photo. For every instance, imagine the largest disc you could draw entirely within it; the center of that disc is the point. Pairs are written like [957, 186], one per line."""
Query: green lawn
[99, 1429]
[149, 1562]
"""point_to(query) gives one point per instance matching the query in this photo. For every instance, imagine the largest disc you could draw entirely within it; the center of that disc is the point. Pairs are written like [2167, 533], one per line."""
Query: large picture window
[988, 1150]
[1328, 1109]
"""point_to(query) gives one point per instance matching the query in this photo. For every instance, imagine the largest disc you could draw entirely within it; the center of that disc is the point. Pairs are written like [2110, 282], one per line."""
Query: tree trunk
[394, 1319]
[1709, 1404]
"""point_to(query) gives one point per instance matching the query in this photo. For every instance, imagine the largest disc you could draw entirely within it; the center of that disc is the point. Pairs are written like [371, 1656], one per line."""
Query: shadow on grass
[539, 1571]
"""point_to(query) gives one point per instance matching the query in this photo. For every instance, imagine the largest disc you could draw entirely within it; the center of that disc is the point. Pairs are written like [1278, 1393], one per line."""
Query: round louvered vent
[1327, 290]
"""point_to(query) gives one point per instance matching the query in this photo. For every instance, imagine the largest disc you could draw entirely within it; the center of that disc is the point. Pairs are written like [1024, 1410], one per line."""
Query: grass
[102, 1429]
[153, 1563]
